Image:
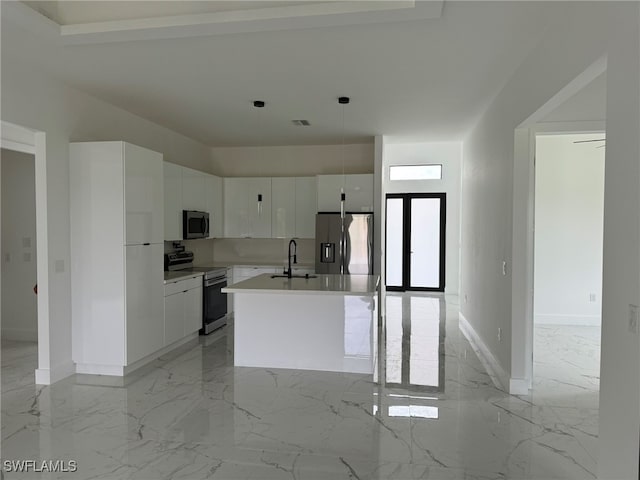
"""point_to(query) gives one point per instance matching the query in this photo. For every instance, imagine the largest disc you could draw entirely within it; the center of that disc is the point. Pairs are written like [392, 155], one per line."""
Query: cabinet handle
[146, 244]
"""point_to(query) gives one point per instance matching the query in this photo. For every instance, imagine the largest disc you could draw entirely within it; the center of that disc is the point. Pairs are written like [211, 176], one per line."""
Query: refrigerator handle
[370, 244]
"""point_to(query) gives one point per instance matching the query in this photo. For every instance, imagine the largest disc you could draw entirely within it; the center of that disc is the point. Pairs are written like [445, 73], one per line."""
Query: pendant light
[343, 197]
[259, 104]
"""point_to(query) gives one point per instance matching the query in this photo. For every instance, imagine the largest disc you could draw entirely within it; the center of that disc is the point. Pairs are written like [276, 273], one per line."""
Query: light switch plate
[633, 318]
[59, 266]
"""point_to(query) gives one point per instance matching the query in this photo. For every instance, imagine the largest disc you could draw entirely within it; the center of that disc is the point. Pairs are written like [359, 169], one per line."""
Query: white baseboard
[567, 319]
[20, 334]
[48, 376]
[498, 374]
[519, 386]
[121, 370]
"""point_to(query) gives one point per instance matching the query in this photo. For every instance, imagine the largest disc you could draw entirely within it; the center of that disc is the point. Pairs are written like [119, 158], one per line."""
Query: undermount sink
[294, 276]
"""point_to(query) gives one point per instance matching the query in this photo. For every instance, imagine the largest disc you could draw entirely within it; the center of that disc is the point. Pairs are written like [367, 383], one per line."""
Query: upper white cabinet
[283, 207]
[213, 205]
[247, 207]
[188, 189]
[193, 189]
[358, 190]
[306, 206]
[172, 201]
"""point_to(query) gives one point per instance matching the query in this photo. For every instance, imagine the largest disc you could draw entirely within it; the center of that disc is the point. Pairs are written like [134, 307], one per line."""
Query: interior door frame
[406, 241]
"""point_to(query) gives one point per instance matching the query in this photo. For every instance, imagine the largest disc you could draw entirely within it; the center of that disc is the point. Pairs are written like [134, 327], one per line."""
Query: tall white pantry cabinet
[117, 230]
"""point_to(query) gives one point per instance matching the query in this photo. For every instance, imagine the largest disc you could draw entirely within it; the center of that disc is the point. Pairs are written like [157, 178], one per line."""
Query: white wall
[19, 304]
[291, 160]
[449, 155]
[582, 33]
[31, 99]
[569, 204]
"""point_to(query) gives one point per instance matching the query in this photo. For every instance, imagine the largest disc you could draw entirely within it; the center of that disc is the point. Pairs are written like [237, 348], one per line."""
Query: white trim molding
[567, 319]
[491, 364]
[48, 376]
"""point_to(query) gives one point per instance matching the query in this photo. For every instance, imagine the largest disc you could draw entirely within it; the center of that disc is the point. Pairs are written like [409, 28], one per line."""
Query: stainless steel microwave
[195, 224]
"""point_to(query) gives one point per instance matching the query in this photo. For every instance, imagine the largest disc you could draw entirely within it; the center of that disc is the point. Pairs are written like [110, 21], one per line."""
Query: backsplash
[260, 250]
[202, 250]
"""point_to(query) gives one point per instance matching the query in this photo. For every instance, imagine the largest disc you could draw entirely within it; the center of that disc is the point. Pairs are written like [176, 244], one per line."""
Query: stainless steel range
[214, 302]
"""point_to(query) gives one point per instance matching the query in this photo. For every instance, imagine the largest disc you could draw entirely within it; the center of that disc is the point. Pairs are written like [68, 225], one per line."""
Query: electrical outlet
[633, 318]
[504, 268]
[59, 266]
[26, 257]
[592, 297]
[26, 242]
[499, 334]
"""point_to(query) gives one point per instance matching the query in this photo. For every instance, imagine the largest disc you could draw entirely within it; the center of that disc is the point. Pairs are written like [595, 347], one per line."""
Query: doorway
[568, 251]
[415, 241]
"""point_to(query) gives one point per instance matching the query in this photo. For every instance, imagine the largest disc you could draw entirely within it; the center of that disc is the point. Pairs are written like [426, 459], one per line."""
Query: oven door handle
[214, 281]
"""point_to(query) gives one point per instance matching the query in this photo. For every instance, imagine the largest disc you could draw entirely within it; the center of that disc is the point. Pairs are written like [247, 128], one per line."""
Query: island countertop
[358, 285]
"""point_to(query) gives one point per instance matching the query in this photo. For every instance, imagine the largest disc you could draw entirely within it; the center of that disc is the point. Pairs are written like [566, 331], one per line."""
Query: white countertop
[359, 285]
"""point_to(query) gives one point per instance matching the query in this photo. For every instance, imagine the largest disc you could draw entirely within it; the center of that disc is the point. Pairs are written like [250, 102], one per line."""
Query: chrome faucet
[289, 272]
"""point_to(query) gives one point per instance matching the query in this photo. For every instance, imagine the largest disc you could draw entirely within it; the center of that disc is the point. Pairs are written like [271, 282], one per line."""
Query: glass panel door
[425, 243]
[415, 241]
[395, 242]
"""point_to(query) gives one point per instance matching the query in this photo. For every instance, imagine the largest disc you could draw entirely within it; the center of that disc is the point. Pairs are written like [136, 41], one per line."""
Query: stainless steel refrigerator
[348, 251]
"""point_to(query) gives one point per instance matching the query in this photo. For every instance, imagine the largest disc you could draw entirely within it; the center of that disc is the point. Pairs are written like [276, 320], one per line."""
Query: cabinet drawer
[182, 285]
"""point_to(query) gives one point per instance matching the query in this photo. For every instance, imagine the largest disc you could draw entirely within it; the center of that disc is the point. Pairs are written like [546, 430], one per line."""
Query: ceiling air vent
[301, 123]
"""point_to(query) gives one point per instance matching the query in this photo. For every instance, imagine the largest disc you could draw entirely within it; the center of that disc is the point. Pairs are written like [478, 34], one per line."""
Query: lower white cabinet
[193, 309]
[182, 309]
[144, 271]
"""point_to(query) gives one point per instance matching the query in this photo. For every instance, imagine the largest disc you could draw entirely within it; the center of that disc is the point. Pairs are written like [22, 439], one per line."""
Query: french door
[415, 241]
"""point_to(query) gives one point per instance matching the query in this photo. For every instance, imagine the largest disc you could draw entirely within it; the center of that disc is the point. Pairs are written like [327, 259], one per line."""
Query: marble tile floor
[433, 414]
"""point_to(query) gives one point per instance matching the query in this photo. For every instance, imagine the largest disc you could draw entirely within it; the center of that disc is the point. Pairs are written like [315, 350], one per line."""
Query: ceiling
[411, 74]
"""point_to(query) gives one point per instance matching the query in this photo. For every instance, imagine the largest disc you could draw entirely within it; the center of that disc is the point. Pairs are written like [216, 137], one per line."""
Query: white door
[193, 190]
[259, 203]
[213, 197]
[172, 201]
[192, 310]
[236, 208]
[144, 198]
[173, 317]
[306, 207]
[283, 207]
[144, 300]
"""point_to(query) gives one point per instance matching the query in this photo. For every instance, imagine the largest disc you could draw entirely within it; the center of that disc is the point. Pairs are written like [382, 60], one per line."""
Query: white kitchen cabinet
[143, 183]
[117, 266]
[173, 317]
[247, 207]
[358, 190]
[172, 202]
[283, 207]
[193, 310]
[306, 207]
[182, 309]
[230, 281]
[193, 190]
[213, 205]
[144, 292]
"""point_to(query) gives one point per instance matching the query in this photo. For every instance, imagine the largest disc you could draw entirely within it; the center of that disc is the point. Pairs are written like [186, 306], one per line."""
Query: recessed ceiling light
[301, 123]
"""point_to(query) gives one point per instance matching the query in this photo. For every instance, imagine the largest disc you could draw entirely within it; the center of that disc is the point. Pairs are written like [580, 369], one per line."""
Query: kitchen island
[324, 322]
